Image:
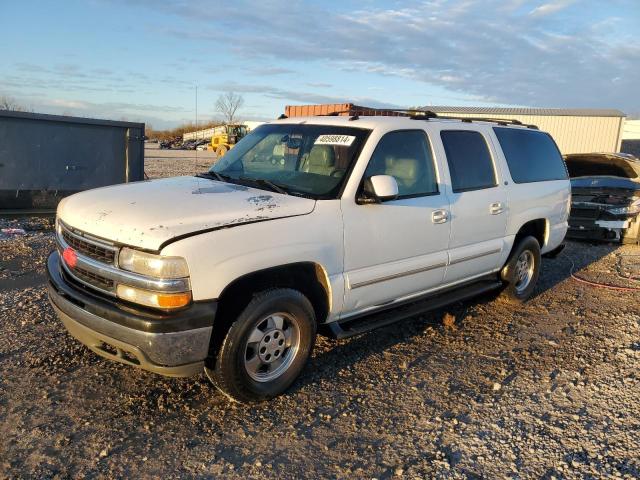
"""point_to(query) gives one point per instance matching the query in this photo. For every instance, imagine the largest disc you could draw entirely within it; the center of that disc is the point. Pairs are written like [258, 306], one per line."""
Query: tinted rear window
[469, 160]
[532, 156]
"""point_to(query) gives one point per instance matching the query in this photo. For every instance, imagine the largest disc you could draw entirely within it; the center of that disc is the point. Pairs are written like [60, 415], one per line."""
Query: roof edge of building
[570, 112]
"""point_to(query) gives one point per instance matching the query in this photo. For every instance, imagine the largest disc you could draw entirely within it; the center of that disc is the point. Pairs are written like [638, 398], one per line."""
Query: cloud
[69, 78]
[269, 71]
[318, 85]
[295, 95]
[29, 67]
[496, 50]
[161, 116]
[550, 8]
[551, 53]
[70, 104]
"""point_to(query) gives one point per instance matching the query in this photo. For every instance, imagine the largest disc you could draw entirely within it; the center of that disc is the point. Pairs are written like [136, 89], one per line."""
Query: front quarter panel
[219, 257]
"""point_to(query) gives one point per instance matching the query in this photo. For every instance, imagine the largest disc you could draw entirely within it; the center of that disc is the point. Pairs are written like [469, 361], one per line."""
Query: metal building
[575, 130]
[44, 158]
[631, 137]
[631, 130]
[207, 133]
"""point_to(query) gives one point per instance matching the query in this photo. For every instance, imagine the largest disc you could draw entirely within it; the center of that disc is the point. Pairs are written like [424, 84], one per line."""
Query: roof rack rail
[382, 112]
[499, 121]
[419, 114]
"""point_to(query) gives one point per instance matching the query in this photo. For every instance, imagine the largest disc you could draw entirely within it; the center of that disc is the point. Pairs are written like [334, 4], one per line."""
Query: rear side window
[469, 160]
[532, 156]
[405, 155]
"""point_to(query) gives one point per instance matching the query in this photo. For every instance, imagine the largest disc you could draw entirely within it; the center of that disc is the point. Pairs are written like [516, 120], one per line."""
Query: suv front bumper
[173, 344]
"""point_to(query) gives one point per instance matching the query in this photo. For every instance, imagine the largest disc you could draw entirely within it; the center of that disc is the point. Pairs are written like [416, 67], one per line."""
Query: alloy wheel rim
[272, 347]
[524, 270]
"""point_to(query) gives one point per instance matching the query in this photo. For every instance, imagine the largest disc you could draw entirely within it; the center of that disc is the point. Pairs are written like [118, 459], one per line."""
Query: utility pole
[196, 150]
[196, 111]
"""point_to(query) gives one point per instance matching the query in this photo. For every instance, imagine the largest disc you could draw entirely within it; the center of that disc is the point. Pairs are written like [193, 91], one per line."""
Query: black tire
[221, 151]
[230, 373]
[516, 291]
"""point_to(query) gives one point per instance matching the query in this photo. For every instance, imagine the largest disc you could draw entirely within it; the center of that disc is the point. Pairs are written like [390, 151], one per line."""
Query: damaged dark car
[605, 189]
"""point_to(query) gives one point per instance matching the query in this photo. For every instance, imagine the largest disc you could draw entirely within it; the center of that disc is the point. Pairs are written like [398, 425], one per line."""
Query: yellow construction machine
[226, 136]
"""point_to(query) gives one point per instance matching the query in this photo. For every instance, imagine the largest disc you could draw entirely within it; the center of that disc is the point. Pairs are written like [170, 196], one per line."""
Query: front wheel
[522, 270]
[221, 150]
[266, 348]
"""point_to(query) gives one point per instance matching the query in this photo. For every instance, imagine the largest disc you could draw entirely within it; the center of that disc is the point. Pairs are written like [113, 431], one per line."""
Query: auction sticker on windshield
[342, 140]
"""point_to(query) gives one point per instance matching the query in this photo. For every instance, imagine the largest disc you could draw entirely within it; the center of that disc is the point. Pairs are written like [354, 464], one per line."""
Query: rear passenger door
[478, 204]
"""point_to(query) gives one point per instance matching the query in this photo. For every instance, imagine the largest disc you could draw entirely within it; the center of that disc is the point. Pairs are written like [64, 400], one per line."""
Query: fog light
[153, 299]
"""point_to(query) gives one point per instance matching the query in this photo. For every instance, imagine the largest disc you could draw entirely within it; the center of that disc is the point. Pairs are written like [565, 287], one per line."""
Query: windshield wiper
[257, 181]
[266, 183]
[214, 175]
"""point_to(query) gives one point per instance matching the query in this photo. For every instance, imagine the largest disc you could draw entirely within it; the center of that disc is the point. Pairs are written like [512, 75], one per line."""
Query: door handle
[496, 208]
[439, 216]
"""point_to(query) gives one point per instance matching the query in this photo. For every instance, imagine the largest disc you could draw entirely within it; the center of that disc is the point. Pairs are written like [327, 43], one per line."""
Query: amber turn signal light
[154, 299]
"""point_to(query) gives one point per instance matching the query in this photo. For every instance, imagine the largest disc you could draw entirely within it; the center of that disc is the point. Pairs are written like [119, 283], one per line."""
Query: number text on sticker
[344, 140]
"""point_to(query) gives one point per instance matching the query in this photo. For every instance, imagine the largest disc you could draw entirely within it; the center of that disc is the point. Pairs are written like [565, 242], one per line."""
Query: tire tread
[230, 380]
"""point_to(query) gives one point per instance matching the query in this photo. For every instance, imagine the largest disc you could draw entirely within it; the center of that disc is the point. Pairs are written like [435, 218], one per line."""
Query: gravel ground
[171, 163]
[484, 389]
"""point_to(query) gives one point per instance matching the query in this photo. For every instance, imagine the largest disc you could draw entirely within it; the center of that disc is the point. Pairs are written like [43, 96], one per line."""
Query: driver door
[397, 248]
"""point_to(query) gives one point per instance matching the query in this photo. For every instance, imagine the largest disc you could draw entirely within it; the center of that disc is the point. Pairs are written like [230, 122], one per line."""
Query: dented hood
[148, 214]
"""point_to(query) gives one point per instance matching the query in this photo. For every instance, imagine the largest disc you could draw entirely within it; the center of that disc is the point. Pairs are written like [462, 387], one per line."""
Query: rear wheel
[522, 270]
[266, 348]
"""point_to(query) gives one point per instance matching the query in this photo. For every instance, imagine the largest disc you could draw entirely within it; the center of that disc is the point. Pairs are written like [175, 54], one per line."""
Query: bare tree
[8, 103]
[228, 105]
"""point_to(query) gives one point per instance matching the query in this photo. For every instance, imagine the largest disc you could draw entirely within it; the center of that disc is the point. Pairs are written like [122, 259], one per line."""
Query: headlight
[152, 265]
[628, 210]
[153, 299]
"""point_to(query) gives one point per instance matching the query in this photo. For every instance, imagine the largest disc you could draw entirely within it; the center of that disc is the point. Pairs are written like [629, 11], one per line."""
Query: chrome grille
[90, 248]
[101, 254]
[86, 276]
[97, 266]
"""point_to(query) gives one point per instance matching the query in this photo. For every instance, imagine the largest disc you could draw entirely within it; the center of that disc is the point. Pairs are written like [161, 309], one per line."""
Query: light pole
[196, 111]
[196, 150]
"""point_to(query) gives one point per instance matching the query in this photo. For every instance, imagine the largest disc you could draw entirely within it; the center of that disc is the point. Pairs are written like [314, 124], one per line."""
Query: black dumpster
[44, 158]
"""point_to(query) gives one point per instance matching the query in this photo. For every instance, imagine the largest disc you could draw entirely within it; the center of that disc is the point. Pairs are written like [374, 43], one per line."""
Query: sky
[142, 60]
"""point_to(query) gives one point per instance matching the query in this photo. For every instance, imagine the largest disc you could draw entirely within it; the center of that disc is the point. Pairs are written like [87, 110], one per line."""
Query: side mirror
[379, 188]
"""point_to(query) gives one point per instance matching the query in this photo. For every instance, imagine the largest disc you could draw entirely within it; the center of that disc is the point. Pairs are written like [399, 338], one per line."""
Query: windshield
[310, 160]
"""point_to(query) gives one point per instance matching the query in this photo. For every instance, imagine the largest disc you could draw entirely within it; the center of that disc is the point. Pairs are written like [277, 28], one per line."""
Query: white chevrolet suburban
[329, 224]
